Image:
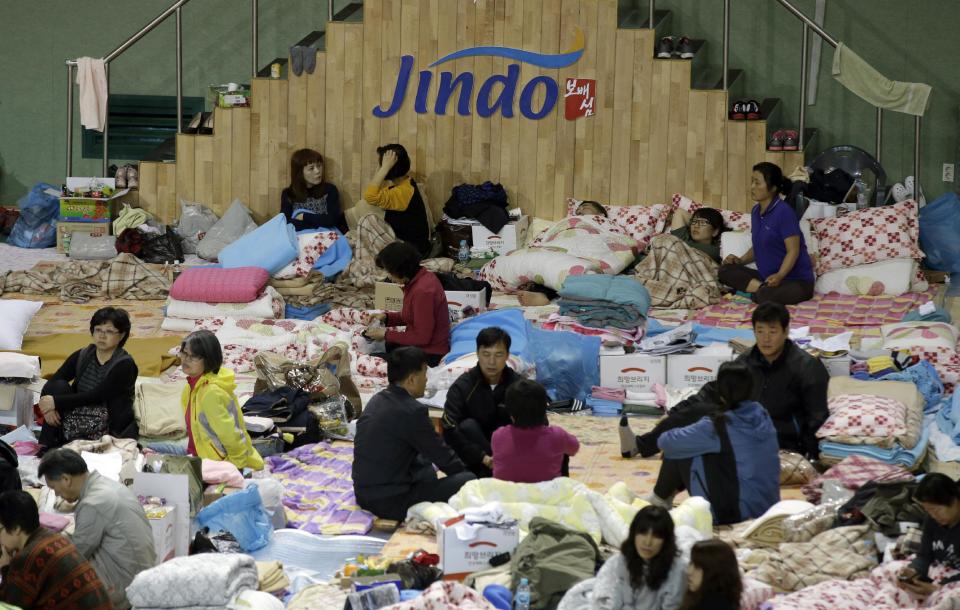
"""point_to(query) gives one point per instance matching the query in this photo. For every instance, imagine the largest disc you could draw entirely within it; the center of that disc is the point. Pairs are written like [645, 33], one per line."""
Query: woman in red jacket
[424, 312]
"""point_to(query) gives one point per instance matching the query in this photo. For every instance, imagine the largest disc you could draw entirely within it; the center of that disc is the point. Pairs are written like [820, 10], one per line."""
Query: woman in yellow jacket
[215, 428]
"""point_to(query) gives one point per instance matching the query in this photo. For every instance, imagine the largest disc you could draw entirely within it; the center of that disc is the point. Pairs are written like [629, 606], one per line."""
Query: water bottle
[861, 194]
[521, 601]
[463, 256]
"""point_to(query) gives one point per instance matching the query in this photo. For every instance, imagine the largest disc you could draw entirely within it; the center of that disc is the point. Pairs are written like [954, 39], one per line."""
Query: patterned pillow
[311, 246]
[735, 221]
[909, 335]
[216, 285]
[639, 221]
[867, 236]
[863, 415]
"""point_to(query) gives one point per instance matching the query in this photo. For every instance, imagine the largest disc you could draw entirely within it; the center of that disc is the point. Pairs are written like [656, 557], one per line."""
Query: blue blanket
[463, 336]
[925, 377]
[336, 258]
[616, 289]
[908, 458]
[948, 419]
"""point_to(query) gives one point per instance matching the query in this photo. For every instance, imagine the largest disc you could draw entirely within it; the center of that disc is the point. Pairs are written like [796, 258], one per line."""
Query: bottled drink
[463, 255]
[521, 601]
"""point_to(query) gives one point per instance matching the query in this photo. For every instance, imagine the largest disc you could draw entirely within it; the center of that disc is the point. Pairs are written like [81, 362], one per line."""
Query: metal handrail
[808, 25]
[173, 9]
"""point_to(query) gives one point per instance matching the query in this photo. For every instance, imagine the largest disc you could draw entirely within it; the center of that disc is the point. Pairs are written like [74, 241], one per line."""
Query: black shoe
[738, 111]
[752, 109]
[665, 47]
[206, 126]
[684, 48]
[194, 125]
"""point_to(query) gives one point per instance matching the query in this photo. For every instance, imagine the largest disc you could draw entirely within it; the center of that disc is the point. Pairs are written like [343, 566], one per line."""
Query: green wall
[36, 38]
[913, 40]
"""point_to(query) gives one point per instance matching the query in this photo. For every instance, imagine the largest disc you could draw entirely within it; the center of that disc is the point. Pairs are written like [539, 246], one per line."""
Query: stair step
[809, 137]
[712, 80]
[637, 18]
[265, 71]
[352, 12]
[770, 109]
[313, 39]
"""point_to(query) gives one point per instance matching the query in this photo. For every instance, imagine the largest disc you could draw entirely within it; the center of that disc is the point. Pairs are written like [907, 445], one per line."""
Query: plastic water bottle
[521, 601]
[463, 255]
[861, 194]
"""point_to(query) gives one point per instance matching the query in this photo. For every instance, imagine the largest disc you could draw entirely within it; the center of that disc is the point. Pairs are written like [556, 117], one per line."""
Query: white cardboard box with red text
[510, 237]
[461, 557]
[633, 372]
[694, 370]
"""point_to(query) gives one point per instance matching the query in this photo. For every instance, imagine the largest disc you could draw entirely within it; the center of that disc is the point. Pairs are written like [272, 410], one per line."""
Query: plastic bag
[313, 377]
[195, 221]
[161, 248]
[88, 247]
[939, 227]
[802, 527]
[567, 364]
[37, 225]
[235, 223]
[795, 469]
[332, 417]
[243, 515]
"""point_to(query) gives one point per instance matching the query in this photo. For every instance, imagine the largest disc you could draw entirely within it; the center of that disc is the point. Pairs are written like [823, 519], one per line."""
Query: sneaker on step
[684, 48]
[133, 177]
[738, 111]
[912, 193]
[752, 110]
[776, 141]
[790, 140]
[121, 177]
[665, 47]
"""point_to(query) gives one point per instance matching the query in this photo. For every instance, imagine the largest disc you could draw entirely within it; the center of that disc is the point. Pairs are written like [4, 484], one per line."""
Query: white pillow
[891, 277]
[907, 335]
[16, 316]
[20, 366]
[736, 243]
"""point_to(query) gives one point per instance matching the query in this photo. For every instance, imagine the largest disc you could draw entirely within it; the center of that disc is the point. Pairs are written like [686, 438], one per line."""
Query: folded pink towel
[661, 393]
[53, 522]
[221, 472]
[26, 447]
[614, 394]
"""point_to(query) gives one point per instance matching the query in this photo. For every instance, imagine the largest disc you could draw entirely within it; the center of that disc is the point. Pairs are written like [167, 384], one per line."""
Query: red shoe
[752, 108]
[776, 141]
[738, 111]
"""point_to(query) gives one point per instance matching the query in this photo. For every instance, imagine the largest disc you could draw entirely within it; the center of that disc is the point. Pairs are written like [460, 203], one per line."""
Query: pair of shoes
[783, 139]
[127, 176]
[194, 125]
[303, 59]
[745, 110]
[903, 191]
[668, 48]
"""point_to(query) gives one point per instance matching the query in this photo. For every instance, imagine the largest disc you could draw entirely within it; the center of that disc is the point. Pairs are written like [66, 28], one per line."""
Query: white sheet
[268, 306]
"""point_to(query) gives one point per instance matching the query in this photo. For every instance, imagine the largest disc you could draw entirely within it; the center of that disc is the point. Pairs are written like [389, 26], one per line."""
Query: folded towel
[194, 581]
[614, 394]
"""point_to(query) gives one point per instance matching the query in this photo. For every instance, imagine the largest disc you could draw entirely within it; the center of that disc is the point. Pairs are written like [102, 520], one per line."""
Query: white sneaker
[908, 183]
[899, 193]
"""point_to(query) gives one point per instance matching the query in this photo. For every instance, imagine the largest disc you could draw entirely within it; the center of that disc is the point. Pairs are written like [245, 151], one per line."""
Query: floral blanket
[572, 246]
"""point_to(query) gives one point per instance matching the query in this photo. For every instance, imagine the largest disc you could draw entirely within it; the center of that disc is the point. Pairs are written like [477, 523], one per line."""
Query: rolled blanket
[197, 580]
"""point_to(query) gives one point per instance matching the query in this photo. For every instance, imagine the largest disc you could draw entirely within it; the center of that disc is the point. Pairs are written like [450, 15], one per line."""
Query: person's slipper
[296, 59]
[309, 59]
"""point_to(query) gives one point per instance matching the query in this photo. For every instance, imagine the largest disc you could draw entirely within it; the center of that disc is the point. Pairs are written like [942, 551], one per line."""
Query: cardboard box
[164, 529]
[837, 366]
[633, 372]
[388, 296]
[66, 228]
[510, 237]
[175, 489]
[461, 557]
[80, 208]
[459, 300]
[694, 370]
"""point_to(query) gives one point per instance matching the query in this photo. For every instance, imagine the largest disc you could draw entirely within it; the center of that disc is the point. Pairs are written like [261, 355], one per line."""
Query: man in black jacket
[396, 446]
[475, 402]
[790, 383]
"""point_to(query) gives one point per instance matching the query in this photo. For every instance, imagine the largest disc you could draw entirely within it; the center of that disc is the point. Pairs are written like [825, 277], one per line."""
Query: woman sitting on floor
[784, 272]
[530, 450]
[647, 574]
[215, 428]
[424, 312]
[731, 458]
[40, 568]
[91, 394]
[714, 581]
[939, 495]
[310, 202]
[406, 212]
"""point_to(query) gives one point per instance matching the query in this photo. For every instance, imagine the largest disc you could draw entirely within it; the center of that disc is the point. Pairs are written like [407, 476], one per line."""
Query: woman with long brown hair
[310, 202]
[714, 581]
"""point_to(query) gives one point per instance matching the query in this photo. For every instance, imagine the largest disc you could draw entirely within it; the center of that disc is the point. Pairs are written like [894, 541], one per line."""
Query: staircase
[661, 124]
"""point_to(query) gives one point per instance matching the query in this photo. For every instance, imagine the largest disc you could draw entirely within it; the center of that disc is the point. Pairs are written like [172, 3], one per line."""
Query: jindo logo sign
[486, 102]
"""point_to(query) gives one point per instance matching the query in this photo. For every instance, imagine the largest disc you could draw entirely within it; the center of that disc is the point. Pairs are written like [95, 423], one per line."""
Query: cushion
[271, 246]
[90, 247]
[864, 415]
[235, 223]
[735, 221]
[216, 285]
[164, 415]
[310, 245]
[907, 335]
[736, 243]
[891, 277]
[639, 221]
[20, 366]
[16, 316]
[867, 236]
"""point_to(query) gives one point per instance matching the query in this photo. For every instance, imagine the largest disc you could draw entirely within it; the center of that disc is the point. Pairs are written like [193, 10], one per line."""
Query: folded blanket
[194, 581]
[908, 458]
[268, 306]
[614, 289]
[178, 325]
[157, 409]
[124, 277]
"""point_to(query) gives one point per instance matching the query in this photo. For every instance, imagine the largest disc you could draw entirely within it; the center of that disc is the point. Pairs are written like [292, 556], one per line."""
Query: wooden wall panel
[651, 135]
[148, 186]
[167, 192]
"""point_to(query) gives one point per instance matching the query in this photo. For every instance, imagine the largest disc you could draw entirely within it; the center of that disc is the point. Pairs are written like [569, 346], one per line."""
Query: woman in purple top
[784, 272]
[530, 450]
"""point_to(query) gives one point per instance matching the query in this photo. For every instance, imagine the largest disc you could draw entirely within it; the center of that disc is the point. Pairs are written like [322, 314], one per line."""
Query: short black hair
[57, 463]
[403, 362]
[205, 344]
[712, 216]
[19, 509]
[770, 311]
[596, 204]
[399, 258]
[116, 316]
[526, 402]
[773, 177]
[491, 336]
[734, 383]
[937, 488]
[401, 167]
